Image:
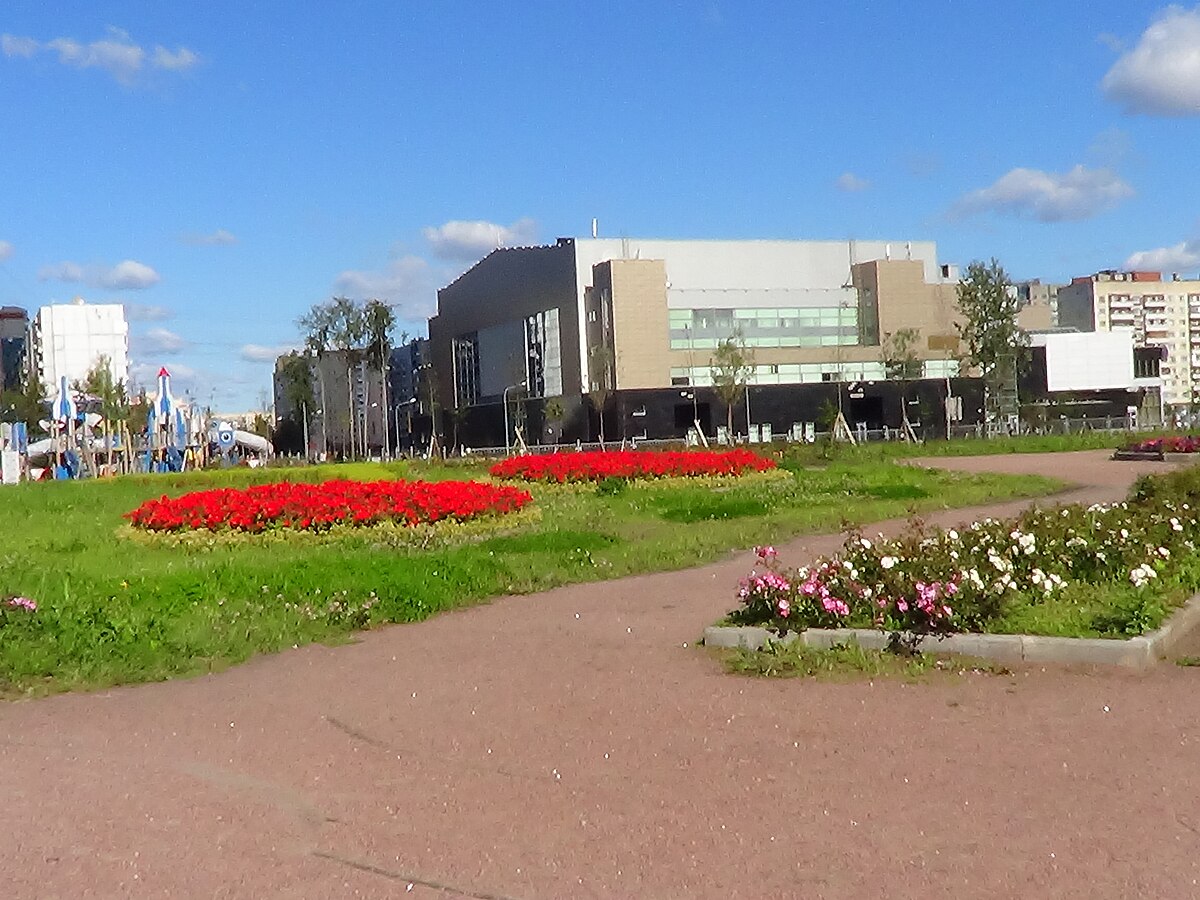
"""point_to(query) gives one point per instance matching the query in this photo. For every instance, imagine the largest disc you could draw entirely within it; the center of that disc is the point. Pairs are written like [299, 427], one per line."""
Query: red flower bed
[599, 464]
[316, 507]
[1172, 443]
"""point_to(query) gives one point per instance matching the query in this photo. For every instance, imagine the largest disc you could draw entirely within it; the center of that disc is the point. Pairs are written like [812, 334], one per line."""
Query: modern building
[411, 402]
[14, 346]
[1159, 314]
[1099, 376]
[597, 316]
[69, 339]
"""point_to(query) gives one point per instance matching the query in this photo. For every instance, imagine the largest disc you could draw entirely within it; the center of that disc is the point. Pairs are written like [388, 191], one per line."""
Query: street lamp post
[396, 411]
[504, 397]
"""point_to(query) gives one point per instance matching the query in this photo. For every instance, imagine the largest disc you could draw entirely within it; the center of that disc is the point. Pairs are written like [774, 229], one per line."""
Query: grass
[114, 609]
[800, 455]
[845, 662]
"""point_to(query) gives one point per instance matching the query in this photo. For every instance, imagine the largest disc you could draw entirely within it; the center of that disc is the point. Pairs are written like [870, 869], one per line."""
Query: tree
[552, 413]
[379, 319]
[993, 340]
[295, 375]
[600, 362]
[732, 366]
[24, 404]
[900, 354]
[336, 326]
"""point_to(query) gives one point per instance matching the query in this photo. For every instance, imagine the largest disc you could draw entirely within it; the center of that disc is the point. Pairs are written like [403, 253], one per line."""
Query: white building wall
[1087, 361]
[70, 338]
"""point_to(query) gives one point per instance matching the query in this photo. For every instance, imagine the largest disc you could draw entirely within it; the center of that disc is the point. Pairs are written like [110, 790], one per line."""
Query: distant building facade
[1157, 313]
[69, 339]
[584, 316]
[14, 346]
[1097, 375]
[347, 416]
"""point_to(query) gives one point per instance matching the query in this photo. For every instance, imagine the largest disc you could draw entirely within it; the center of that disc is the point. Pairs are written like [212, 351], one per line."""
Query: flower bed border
[1140, 653]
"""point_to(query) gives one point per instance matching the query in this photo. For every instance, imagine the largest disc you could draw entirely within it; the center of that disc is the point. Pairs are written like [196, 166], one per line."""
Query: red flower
[596, 465]
[317, 507]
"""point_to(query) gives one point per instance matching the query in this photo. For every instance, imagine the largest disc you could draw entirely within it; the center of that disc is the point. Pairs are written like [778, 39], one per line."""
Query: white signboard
[10, 466]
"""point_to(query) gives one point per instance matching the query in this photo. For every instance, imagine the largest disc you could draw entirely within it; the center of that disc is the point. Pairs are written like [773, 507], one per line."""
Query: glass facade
[788, 373]
[825, 326]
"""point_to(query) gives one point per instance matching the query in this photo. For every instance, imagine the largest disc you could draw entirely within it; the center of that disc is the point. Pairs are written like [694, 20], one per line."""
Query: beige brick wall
[639, 321]
[905, 300]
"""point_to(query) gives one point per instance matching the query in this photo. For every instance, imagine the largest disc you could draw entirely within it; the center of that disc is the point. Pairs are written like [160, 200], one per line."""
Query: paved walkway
[577, 744]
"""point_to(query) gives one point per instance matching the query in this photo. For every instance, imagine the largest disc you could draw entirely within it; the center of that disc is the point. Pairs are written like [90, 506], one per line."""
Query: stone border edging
[1139, 653]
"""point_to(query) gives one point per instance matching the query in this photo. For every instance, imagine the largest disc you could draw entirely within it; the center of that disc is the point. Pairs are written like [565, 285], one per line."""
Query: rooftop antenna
[595, 227]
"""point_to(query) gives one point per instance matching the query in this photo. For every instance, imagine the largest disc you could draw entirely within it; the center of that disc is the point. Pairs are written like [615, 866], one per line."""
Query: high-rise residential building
[69, 339]
[14, 346]
[1164, 316]
[347, 413]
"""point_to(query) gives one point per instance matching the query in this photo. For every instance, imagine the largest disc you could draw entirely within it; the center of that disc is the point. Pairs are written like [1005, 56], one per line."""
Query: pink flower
[783, 607]
[766, 553]
[902, 605]
[22, 603]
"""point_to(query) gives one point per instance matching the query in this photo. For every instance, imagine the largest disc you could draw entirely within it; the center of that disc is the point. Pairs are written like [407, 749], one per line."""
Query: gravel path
[577, 744]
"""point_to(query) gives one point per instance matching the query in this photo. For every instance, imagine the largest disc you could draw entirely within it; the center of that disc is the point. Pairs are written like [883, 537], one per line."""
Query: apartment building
[69, 339]
[347, 415]
[622, 315]
[1163, 316]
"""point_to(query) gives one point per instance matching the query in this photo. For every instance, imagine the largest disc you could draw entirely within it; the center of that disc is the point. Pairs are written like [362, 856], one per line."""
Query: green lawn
[115, 607]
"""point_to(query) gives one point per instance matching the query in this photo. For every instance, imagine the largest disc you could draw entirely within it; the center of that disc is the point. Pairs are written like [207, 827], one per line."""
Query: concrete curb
[1139, 653]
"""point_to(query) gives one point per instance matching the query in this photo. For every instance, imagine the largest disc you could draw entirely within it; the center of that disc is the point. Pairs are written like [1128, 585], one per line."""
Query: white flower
[1164, 552]
[1142, 574]
[865, 544]
[952, 534]
[888, 562]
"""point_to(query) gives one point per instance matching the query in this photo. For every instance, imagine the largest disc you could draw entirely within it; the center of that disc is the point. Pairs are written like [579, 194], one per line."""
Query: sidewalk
[577, 744]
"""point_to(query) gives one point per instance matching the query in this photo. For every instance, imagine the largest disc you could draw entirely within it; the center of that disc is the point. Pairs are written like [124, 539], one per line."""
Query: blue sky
[220, 167]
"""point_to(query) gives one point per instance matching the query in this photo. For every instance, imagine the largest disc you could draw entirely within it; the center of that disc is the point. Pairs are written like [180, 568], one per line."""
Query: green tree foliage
[993, 342]
[99, 383]
[295, 371]
[900, 354]
[732, 366]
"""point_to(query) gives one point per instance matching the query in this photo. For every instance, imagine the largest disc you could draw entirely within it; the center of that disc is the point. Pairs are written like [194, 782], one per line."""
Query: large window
[543, 358]
[784, 373]
[825, 326]
[466, 370]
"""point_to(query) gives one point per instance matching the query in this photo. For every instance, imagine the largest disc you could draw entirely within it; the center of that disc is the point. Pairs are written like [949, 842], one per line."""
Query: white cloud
[63, 271]
[1184, 256]
[1161, 75]
[128, 274]
[471, 240]
[142, 312]
[1047, 196]
[404, 283]
[116, 54]
[258, 353]
[159, 341]
[22, 47]
[218, 238]
[179, 61]
[848, 181]
[6, 250]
